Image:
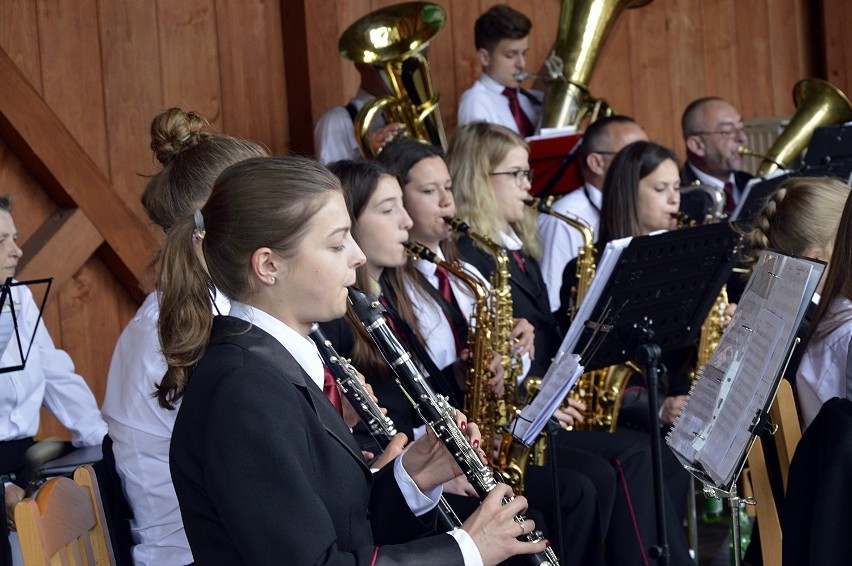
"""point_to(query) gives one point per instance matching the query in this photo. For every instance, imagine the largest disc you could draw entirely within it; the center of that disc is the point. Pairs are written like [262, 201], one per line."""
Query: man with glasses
[560, 241]
[713, 130]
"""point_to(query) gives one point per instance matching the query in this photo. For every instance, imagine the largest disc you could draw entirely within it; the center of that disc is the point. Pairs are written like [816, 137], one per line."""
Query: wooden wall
[657, 59]
[82, 79]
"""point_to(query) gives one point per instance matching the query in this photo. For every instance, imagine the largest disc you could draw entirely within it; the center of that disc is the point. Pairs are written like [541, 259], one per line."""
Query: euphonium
[818, 103]
[395, 40]
[584, 26]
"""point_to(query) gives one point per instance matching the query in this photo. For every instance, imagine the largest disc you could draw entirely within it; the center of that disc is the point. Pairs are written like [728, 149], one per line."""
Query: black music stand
[661, 290]
[10, 338]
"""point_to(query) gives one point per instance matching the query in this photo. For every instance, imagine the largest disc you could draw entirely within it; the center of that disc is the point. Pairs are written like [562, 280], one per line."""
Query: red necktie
[447, 292]
[519, 259]
[729, 197]
[525, 127]
[329, 387]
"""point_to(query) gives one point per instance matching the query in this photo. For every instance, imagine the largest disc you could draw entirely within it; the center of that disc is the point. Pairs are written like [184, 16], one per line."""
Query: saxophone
[436, 412]
[512, 457]
[380, 425]
[600, 390]
[480, 404]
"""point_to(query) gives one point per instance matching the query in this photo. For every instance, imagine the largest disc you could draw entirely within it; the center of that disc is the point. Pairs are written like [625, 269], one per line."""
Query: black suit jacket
[529, 300]
[687, 177]
[266, 471]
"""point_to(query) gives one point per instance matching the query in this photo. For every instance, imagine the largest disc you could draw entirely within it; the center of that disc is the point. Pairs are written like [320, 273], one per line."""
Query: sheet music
[714, 431]
[607, 264]
[559, 379]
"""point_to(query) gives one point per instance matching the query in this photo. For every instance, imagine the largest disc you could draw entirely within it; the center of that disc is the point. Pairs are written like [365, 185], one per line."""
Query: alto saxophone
[380, 425]
[512, 457]
[600, 390]
[436, 411]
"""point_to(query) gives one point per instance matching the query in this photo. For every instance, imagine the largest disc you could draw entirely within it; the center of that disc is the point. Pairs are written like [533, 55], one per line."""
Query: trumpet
[435, 411]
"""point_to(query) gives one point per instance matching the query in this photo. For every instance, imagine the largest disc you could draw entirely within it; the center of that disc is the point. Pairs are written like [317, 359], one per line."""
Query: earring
[272, 281]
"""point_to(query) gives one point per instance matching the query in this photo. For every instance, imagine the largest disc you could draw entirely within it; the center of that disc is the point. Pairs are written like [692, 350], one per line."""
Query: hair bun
[174, 131]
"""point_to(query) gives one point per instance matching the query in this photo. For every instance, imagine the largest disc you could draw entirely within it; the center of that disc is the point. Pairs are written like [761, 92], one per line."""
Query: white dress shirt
[48, 379]
[306, 354]
[714, 182]
[334, 132]
[141, 431]
[484, 101]
[823, 371]
[560, 242]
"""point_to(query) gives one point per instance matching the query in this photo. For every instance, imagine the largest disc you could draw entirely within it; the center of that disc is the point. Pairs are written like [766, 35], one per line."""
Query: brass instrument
[700, 204]
[600, 390]
[818, 103]
[585, 255]
[711, 331]
[480, 405]
[395, 41]
[584, 26]
[512, 457]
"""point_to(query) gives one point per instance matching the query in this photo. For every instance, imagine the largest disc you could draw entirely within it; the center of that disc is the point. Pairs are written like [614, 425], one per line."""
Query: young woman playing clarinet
[263, 464]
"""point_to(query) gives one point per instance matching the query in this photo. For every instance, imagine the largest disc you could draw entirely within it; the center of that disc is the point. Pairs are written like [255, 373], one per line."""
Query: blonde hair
[475, 150]
[802, 213]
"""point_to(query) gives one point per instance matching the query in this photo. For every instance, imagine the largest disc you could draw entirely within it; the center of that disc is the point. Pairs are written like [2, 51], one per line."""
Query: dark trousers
[632, 529]
[12, 454]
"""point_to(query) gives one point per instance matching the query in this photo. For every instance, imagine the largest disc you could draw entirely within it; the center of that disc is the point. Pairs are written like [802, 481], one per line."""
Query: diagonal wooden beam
[60, 247]
[63, 168]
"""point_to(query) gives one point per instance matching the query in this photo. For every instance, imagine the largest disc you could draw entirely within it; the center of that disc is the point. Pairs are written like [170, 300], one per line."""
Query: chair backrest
[783, 413]
[64, 524]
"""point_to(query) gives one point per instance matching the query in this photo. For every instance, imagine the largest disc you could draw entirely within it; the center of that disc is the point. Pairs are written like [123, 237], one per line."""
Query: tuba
[584, 26]
[395, 41]
[818, 103]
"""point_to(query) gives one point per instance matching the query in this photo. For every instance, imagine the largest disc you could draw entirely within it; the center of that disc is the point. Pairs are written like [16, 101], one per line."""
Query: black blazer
[687, 177]
[267, 472]
[529, 300]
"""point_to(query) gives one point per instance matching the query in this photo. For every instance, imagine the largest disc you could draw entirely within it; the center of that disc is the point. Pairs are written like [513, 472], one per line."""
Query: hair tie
[198, 232]
[185, 138]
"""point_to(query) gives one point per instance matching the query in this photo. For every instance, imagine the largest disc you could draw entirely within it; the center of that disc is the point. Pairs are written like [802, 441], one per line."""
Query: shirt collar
[511, 239]
[594, 195]
[489, 83]
[427, 268]
[301, 348]
[709, 179]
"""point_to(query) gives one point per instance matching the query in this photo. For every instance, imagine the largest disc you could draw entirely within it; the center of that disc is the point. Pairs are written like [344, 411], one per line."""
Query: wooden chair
[783, 413]
[64, 524]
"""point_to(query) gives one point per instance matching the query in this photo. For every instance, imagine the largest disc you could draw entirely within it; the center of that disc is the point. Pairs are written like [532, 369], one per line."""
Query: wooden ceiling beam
[67, 173]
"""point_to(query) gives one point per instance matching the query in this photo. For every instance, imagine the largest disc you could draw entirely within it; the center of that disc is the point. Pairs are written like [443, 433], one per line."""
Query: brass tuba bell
[818, 103]
[584, 26]
[395, 40]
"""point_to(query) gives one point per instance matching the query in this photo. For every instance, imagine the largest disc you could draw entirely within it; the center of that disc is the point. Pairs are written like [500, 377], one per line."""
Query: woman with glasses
[490, 170]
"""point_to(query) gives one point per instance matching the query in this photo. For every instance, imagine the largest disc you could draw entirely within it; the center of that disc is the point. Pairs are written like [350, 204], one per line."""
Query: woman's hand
[571, 415]
[429, 463]
[350, 415]
[495, 370]
[391, 451]
[460, 486]
[494, 530]
[381, 137]
[522, 337]
[14, 495]
[727, 314]
[672, 407]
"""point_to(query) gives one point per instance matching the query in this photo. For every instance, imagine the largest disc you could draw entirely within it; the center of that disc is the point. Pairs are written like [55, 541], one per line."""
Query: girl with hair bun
[192, 155]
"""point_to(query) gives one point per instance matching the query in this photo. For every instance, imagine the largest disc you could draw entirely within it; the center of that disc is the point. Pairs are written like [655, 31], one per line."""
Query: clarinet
[380, 425]
[436, 411]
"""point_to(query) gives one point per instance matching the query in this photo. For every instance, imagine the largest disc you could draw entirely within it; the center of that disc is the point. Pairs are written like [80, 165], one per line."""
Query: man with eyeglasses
[713, 131]
[560, 241]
